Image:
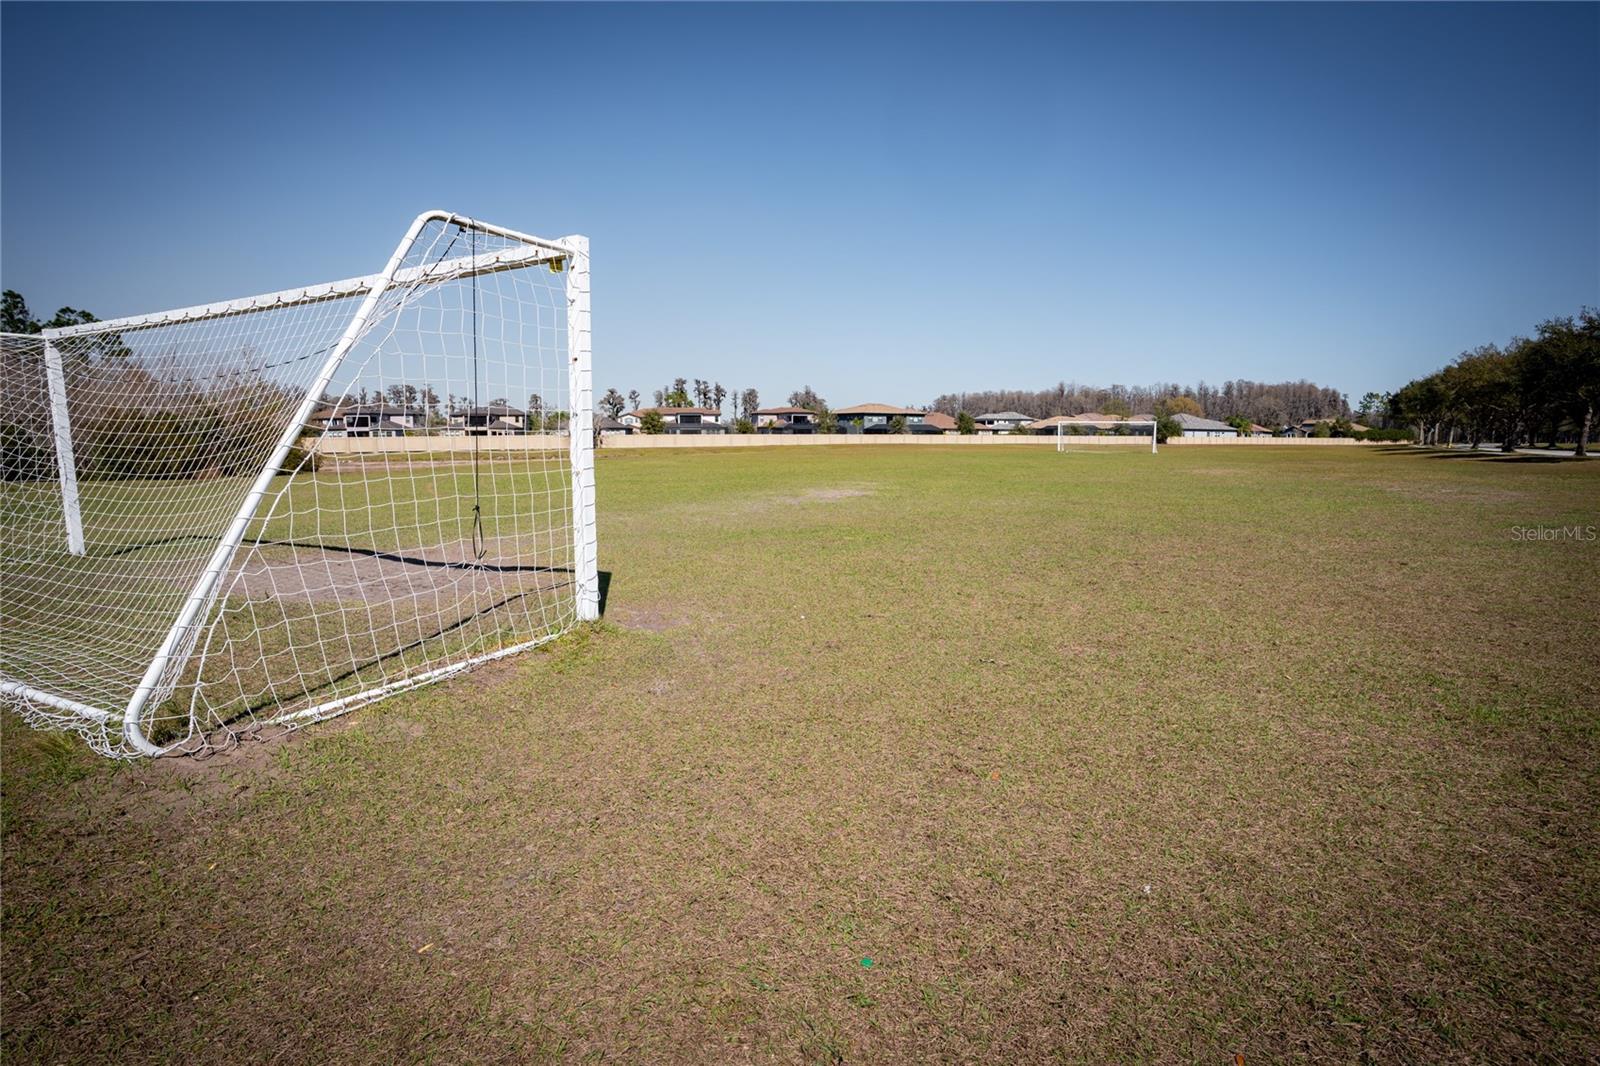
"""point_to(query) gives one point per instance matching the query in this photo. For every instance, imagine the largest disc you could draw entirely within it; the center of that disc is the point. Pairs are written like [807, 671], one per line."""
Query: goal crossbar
[449, 270]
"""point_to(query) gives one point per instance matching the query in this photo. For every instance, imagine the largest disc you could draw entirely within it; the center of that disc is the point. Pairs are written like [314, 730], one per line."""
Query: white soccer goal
[271, 510]
[1076, 430]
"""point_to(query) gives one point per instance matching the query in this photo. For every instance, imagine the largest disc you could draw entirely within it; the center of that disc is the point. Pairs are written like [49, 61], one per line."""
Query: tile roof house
[1092, 422]
[940, 421]
[875, 418]
[680, 419]
[786, 420]
[1001, 421]
[1195, 426]
[1308, 427]
[368, 420]
[494, 420]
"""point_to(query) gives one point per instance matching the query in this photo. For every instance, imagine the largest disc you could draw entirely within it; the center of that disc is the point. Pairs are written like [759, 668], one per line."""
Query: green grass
[1289, 753]
[149, 541]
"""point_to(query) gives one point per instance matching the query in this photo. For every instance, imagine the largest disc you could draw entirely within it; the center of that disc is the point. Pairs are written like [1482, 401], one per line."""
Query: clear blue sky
[885, 202]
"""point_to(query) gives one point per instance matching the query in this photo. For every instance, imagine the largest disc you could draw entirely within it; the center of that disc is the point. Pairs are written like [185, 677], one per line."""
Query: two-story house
[679, 419]
[786, 420]
[368, 420]
[491, 420]
[877, 418]
[1001, 421]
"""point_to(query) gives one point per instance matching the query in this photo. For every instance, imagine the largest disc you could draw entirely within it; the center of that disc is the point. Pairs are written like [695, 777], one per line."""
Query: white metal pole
[1153, 426]
[200, 596]
[66, 465]
[580, 387]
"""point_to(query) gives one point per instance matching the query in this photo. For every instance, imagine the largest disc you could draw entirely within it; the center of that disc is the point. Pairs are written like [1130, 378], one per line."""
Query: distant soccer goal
[272, 510]
[1079, 431]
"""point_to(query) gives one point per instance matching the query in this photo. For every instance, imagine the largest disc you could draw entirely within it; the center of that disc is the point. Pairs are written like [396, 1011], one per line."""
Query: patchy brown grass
[1092, 758]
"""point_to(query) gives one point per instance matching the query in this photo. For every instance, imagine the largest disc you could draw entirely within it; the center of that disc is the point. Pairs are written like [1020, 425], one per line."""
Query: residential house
[490, 420]
[939, 422]
[1259, 431]
[679, 419]
[1001, 421]
[1308, 428]
[786, 420]
[1195, 426]
[607, 426]
[369, 420]
[1090, 423]
[876, 418]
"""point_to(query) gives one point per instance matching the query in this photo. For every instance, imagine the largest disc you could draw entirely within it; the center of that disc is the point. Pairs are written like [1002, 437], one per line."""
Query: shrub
[302, 456]
[652, 422]
[965, 425]
[1390, 435]
[744, 425]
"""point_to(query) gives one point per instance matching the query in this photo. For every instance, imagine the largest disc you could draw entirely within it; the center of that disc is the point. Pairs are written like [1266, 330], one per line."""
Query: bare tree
[808, 398]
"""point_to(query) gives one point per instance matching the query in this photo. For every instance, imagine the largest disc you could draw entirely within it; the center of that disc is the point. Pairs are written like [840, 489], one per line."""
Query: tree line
[1544, 387]
[682, 392]
[1272, 404]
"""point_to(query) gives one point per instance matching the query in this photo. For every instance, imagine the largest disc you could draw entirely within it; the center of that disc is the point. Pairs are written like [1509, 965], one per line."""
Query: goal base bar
[329, 709]
[334, 708]
[60, 703]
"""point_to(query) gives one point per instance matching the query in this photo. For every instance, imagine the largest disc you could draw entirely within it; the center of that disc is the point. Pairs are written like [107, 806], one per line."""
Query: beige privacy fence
[554, 442]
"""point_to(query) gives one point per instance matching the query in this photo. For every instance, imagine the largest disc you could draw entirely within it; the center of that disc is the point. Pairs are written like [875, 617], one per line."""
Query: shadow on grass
[1482, 456]
[1507, 457]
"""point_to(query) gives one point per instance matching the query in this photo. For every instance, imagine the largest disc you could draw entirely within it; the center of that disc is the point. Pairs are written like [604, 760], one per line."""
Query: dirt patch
[650, 619]
[824, 495]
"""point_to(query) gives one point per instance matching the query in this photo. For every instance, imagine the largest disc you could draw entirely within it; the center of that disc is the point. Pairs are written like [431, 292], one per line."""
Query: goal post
[61, 437]
[1117, 426]
[274, 509]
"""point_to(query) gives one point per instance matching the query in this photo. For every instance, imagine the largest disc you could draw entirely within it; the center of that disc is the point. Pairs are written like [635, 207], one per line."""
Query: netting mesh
[421, 520]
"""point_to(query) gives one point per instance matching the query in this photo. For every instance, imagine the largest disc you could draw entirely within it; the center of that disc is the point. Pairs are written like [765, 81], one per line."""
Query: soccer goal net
[1072, 432]
[271, 510]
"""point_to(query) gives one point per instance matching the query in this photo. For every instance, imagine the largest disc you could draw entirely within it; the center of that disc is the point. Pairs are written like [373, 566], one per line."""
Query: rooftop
[877, 409]
[641, 412]
[1188, 421]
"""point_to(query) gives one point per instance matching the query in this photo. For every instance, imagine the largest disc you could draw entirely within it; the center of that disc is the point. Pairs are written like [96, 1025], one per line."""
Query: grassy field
[900, 754]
